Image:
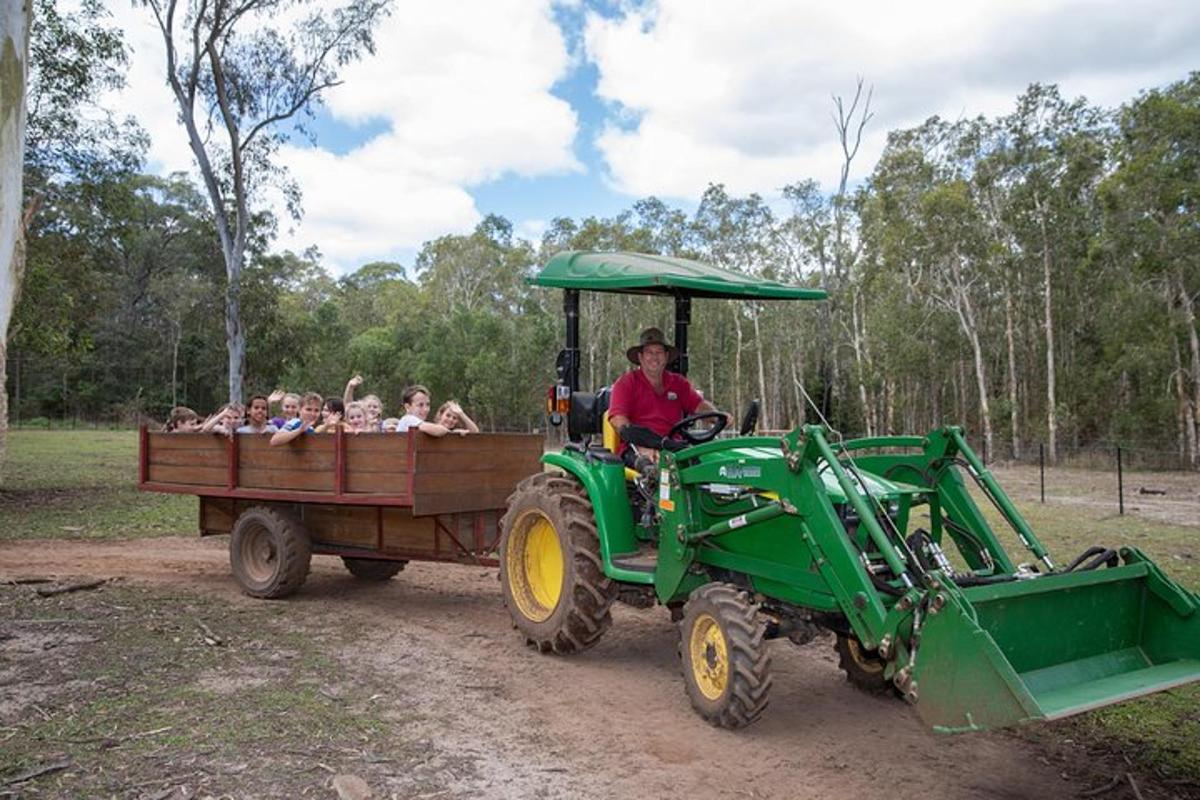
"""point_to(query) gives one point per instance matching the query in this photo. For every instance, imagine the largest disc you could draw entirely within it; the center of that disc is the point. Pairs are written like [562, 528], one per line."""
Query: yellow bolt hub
[535, 566]
[709, 657]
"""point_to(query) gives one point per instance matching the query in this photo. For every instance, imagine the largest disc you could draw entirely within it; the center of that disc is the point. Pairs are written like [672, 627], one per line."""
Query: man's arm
[640, 436]
[705, 407]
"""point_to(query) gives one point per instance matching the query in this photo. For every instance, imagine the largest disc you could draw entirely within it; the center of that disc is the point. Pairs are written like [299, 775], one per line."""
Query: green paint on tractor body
[879, 540]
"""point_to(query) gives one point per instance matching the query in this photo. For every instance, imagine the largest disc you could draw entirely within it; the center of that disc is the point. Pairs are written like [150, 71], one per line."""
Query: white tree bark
[1051, 393]
[15, 21]
[1014, 409]
[1188, 305]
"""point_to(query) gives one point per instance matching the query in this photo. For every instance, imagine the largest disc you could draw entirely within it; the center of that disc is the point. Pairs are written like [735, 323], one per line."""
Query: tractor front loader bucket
[1053, 645]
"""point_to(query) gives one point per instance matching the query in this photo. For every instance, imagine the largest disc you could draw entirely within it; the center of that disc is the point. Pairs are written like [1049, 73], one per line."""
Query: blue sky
[537, 109]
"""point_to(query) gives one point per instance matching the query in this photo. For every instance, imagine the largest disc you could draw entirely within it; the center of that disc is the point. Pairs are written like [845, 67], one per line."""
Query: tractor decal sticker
[737, 522]
[664, 492]
[736, 471]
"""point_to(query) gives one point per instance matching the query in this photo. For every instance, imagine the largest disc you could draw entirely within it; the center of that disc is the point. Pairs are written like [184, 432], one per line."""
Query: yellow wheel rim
[709, 657]
[535, 566]
[860, 657]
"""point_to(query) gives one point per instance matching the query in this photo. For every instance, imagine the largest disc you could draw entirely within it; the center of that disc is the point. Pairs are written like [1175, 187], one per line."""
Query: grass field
[81, 485]
[73, 484]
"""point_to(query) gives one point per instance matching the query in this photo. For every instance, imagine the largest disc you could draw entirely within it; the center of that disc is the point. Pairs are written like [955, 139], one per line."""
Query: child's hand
[356, 381]
[275, 396]
[332, 418]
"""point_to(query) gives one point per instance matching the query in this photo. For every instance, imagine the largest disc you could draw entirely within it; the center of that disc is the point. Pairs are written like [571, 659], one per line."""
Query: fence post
[1042, 468]
[1120, 483]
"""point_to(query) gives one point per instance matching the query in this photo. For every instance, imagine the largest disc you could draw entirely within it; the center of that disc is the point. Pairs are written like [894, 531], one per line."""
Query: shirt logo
[672, 396]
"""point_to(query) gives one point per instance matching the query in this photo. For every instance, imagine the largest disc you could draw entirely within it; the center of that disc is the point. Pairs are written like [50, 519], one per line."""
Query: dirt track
[612, 722]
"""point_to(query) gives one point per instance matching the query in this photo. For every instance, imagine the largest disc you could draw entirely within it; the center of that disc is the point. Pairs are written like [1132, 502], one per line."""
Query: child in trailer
[332, 416]
[290, 407]
[183, 420]
[227, 420]
[416, 409]
[451, 416]
[256, 415]
[310, 412]
[356, 419]
[371, 404]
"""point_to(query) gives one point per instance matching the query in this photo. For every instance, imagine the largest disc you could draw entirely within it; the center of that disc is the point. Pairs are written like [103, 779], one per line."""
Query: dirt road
[613, 722]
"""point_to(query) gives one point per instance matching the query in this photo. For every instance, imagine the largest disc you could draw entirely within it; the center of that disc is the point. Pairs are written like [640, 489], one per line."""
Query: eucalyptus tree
[1153, 211]
[244, 74]
[15, 20]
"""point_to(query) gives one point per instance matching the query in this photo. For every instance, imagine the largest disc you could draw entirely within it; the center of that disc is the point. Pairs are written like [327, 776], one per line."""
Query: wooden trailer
[376, 500]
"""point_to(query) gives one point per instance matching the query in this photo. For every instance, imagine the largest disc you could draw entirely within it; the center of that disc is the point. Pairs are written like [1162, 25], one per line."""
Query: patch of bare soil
[464, 709]
[1171, 497]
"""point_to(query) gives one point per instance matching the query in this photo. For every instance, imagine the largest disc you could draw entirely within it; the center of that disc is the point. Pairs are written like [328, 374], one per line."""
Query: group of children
[310, 413]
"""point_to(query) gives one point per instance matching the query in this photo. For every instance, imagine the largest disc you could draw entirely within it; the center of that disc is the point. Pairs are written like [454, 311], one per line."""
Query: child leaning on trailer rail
[256, 416]
[416, 409]
[310, 412]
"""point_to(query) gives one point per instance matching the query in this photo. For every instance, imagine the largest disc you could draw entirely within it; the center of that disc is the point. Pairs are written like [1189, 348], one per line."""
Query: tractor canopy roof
[637, 273]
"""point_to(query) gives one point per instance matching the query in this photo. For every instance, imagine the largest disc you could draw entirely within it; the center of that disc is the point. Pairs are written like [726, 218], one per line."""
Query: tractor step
[645, 560]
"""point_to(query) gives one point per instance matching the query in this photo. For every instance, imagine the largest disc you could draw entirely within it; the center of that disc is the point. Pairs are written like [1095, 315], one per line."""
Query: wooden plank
[312, 443]
[189, 458]
[260, 478]
[284, 457]
[217, 515]
[438, 482]
[401, 531]
[196, 476]
[383, 442]
[475, 442]
[187, 441]
[525, 460]
[358, 482]
[376, 460]
[459, 501]
[349, 526]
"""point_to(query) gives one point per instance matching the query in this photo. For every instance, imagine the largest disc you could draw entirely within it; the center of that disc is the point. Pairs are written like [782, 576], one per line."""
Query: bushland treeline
[1033, 277]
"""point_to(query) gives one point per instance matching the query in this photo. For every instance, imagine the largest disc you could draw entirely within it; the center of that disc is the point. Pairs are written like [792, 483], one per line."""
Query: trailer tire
[725, 657]
[373, 569]
[551, 573]
[269, 552]
[864, 669]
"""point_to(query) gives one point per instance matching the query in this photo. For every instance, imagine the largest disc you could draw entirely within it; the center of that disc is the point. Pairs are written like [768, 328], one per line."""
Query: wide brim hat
[650, 336]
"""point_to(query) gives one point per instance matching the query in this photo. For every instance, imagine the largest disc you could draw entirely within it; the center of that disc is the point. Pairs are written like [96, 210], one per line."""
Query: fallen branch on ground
[72, 587]
[37, 772]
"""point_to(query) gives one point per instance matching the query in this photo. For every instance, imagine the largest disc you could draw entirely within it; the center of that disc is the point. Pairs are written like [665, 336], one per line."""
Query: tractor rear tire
[864, 668]
[372, 569]
[270, 553]
[725, 657]
[551, 573]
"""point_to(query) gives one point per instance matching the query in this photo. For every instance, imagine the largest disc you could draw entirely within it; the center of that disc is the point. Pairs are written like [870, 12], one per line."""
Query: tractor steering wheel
[684, 427]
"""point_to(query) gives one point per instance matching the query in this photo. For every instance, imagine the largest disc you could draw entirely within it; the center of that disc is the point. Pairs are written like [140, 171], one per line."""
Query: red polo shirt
[633, 397]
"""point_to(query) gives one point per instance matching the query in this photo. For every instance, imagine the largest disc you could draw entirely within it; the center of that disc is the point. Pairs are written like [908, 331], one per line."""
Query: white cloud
[464, 90]
[740, 93]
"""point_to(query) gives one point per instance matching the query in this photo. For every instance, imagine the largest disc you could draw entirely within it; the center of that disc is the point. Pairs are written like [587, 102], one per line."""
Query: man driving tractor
[647, 402]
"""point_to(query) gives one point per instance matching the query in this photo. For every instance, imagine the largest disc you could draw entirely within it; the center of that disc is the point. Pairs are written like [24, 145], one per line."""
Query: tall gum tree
[15, 23]
[239, 70]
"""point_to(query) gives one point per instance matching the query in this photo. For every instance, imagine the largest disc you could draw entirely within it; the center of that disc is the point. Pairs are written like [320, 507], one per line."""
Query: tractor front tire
[864, 668]
[371, 569]
[551, 573]
[270, 553]
[723, 650]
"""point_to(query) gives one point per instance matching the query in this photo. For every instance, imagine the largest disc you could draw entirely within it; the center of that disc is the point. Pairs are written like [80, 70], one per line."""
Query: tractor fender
[605, 485]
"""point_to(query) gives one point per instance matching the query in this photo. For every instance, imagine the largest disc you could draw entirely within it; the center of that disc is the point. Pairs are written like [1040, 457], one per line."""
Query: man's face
[653, 359]
[258, 411]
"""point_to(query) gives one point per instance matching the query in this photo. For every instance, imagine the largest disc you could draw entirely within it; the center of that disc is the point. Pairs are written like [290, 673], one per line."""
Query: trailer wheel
[723, 649]
[373, 569]
[550, 569]
[864, 668]
[269, 552]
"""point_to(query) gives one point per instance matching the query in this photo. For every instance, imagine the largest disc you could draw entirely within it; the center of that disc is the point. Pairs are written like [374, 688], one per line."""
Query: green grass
[82, 484]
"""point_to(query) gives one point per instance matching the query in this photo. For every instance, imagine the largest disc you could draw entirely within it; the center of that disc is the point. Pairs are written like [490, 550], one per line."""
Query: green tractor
[878, 541]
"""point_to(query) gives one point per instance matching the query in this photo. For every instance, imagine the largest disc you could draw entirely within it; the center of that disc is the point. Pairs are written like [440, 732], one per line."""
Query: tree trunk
[737, 359]
[235, 334]
[1014, 406]
[15, 23]
[1189, 319]
[861, 357]
[1051, 396]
